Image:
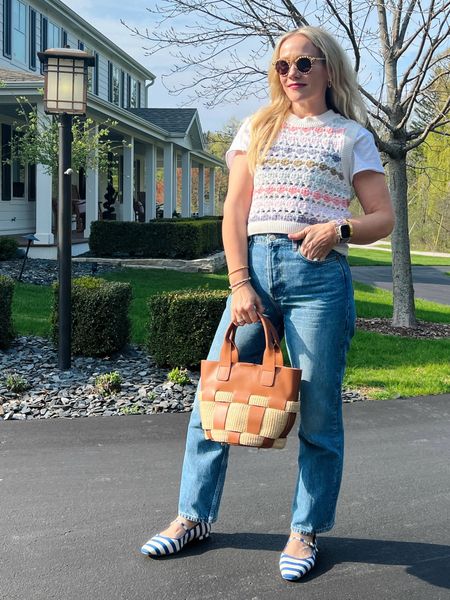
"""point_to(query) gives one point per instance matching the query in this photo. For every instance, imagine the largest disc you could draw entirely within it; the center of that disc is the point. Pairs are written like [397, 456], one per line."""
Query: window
[116, 85]
[115, 82]
[52, 35]
[19, 179]
[19, 31]
[134, 94]
[91, 70]
[32, 48]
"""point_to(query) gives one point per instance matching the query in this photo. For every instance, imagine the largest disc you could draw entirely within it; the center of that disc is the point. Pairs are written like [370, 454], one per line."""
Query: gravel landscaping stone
[42, 271]
[52, 394]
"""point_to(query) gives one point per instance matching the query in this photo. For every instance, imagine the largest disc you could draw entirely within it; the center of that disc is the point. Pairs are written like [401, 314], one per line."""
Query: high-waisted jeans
[311, 304]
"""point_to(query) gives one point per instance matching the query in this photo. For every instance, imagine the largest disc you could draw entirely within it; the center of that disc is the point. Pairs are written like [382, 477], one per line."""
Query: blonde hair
[343, 96]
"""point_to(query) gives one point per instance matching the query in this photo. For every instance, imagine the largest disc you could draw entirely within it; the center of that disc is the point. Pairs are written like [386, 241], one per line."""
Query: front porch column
[44, 208]
[128, 180]
[150, 182]
[201, 190]
[212, 191]
[92, 186]
[175, 182]
[186, 178]
[168, 181]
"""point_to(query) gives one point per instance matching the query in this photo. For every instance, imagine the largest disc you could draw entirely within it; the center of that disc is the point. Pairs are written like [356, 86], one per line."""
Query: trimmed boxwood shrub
[100, 322]
[6, 325]
[160, 238]
[8, 248]
[182, 325]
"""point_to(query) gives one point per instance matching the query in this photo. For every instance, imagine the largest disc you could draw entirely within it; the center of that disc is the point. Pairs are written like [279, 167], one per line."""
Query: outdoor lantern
[66, 80]
[65, 94]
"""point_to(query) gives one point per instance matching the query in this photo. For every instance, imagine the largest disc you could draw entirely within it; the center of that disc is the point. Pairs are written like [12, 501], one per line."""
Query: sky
[106, 15]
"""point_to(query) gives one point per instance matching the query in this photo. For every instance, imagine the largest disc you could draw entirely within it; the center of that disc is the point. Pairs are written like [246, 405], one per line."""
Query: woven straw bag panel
[249, 439]
[274, 423]
[258, 400]
[219, 435]
[223, 396]
[237, 417]
[292, 407]
[207, 414]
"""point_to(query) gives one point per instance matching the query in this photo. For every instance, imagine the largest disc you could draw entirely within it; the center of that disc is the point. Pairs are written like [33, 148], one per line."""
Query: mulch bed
[424, 329]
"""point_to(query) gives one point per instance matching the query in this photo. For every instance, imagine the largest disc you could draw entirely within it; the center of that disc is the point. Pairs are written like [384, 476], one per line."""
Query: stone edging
[208, 264]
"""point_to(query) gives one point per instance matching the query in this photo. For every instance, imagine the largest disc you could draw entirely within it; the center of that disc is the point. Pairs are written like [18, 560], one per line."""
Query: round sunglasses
[303, 63]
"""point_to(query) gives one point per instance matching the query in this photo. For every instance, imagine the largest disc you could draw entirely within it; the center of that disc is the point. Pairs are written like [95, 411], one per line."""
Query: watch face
[345, 232]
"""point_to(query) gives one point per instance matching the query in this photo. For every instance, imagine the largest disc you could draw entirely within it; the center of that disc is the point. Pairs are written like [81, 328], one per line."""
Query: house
[154, 144]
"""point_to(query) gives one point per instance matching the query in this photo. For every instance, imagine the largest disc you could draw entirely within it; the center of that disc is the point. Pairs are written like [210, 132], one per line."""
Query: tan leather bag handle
[272, 358]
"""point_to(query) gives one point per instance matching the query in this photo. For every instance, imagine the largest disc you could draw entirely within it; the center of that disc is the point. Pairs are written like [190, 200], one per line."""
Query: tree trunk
[403, 291]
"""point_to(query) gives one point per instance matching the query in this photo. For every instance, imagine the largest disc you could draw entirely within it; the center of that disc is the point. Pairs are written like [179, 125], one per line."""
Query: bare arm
[376, 223]
[234, 233]
[378, 220]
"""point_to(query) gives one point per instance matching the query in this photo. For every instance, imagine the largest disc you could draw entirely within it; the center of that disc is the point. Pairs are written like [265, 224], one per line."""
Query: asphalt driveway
[79, 497]
[430, 283]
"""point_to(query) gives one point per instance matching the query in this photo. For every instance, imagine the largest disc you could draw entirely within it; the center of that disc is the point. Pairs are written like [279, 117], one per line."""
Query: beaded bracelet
[238, 283]
[238, 269]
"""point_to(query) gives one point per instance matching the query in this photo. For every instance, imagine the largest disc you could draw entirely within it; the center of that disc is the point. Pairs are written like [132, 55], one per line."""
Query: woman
[293, 169]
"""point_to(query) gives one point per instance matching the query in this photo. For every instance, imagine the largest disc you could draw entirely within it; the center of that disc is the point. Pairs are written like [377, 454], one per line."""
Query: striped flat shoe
[292, 568]
[161, 545]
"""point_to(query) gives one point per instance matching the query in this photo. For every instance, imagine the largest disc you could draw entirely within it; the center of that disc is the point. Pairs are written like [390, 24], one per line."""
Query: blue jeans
[311, 304]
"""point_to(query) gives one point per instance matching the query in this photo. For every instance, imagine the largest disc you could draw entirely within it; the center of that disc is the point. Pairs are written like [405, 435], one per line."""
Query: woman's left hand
[318, 240]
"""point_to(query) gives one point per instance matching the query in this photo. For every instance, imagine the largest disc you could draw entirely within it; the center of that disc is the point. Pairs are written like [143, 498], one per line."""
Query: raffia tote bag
[247, 404]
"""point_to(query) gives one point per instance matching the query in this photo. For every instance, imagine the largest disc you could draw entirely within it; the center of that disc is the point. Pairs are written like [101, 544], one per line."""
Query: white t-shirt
[365, 156]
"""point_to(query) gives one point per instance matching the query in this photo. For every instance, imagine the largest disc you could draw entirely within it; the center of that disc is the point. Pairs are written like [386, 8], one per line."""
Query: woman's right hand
[245, 303]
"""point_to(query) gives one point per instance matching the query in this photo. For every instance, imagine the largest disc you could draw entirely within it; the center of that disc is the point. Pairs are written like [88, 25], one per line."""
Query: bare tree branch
[409, 103]
[406, 20]
[348, 28]
[296, 16]
[438, 121]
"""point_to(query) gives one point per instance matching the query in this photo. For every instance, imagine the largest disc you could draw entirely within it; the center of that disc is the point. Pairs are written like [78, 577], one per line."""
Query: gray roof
[173, 120]
[11, 76]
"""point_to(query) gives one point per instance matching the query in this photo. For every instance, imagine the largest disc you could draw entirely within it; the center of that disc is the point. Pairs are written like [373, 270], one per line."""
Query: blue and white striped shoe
[161, 545]
[292, 568]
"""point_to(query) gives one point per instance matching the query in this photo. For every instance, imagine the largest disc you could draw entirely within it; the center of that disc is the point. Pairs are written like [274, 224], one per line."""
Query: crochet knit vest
[305, 177]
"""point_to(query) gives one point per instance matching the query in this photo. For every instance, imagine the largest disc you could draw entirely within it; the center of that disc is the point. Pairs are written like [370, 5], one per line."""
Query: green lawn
[391, 366]
[360, 257]
[381, 366]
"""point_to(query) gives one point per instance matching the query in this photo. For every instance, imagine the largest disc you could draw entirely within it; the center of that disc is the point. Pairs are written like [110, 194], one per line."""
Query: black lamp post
[65, 94]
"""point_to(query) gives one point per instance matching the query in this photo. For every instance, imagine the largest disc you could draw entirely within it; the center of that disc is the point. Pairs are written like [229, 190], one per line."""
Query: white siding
[17, 216]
